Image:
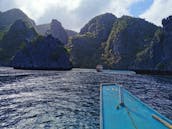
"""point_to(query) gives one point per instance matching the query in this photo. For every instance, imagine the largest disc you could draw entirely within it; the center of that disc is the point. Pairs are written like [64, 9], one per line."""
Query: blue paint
[140, 7]
[135, 114]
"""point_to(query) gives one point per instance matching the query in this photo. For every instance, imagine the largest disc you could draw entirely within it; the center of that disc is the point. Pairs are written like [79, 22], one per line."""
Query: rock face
[43, 29]
[159, 55]
[86, 48]
[9, 17]
[71, 33]
[55, 29]
[167, 44]
[126, 43]
[84, 51]
[43, 53]
[58, 31]
[14, 40]
[151, 57]
[118, 43]
[100, 26]
[129, 39]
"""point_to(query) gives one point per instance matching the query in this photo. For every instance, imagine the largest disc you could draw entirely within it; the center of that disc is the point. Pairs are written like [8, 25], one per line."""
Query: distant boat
[99, 68]
[121, 110]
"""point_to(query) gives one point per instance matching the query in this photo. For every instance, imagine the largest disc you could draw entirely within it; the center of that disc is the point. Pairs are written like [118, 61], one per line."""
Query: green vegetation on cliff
[129, 38]
[86, 48]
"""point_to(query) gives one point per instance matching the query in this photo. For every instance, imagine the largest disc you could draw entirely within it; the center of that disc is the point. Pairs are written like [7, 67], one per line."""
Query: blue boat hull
[133, 115]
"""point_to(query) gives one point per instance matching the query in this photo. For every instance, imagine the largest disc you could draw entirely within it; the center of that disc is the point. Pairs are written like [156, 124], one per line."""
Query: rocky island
[43, 53]
[22, 47]
[126, 43]
[130, 44]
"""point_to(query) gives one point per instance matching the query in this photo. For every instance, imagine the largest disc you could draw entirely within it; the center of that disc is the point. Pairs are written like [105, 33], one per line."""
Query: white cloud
[121, 7]
[72, 13]
[37, 8]
[160, 9]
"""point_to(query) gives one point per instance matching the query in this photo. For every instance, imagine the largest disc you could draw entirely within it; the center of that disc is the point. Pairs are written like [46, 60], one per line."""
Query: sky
[74, 14]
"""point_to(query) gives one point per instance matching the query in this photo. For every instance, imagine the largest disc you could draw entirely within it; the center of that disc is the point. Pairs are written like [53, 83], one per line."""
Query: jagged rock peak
[54, 21]
[71, 33]
[23, 28]
[167, 23]
[9, 17]
[14, 10]
[57, 31]
[103, 19]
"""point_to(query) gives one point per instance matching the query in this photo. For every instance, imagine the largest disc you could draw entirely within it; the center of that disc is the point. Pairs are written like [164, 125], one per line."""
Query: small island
[43, 53]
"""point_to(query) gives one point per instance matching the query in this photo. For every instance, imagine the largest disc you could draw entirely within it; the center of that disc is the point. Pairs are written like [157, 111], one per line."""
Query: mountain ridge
[117, 43]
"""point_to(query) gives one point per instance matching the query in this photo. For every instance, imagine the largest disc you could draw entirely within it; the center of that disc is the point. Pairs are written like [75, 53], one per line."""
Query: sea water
[70, 99]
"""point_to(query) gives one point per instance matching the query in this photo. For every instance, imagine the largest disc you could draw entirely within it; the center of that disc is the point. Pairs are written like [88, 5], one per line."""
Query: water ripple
[70, 99]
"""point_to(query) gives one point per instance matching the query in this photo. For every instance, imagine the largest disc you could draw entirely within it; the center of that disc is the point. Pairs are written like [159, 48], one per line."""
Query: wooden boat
[121, 110]
[99, 68]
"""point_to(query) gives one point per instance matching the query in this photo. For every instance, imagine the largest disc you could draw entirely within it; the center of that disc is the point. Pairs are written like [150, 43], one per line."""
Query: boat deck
[133, 115]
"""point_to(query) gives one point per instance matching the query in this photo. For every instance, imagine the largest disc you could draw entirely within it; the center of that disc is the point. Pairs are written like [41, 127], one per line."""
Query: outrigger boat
[121, 110]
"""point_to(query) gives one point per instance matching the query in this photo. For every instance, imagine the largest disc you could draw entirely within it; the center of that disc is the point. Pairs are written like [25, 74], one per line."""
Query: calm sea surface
[70, 99]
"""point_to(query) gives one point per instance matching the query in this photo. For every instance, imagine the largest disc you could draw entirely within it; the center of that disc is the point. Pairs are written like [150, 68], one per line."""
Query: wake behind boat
[121, 110]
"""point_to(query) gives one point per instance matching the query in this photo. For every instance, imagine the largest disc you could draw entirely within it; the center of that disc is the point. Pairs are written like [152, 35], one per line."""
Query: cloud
[37, 8]
[72, 13]
[121, 7]
[86, 10]
[6, 4]
[160, 9]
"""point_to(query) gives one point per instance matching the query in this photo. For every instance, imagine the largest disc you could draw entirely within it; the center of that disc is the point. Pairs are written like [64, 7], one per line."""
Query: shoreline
[153, 72]
[137, 71]
[46, 69]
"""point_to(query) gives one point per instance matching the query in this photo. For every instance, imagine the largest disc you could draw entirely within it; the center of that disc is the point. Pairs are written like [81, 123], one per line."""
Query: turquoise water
[134, 115]
[126, 72]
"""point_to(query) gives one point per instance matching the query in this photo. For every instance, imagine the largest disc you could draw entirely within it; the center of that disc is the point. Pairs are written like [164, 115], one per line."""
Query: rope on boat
[131, 118]
[121, 97]
[121, 103]
[168, 125]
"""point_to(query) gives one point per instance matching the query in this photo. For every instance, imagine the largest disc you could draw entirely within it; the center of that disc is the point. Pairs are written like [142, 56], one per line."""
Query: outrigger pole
[121, 96]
